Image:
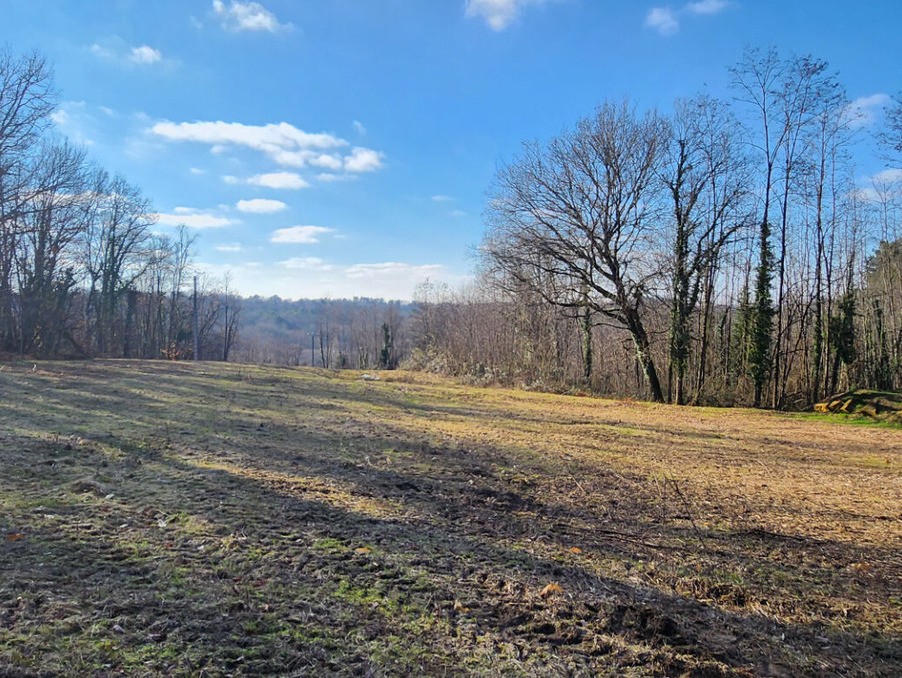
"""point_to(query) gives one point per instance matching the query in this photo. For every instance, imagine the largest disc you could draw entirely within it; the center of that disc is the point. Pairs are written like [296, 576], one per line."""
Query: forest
[725, 252]
[722, 253]
[82, 271]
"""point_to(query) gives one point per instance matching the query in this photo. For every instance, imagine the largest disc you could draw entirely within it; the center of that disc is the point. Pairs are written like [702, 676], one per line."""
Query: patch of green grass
[841, 418]
[329, 544]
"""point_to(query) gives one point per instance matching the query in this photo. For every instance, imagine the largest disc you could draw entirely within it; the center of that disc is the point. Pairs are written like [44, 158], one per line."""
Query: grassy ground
[171, 519]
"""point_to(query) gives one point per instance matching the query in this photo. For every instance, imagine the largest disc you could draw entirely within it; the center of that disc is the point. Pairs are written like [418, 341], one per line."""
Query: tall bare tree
[707, 180]
[27, 98]
[52, 227]
[115, 255]
[574, 220]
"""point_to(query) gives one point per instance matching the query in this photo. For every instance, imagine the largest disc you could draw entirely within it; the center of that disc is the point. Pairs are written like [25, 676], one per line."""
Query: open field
[169, 518]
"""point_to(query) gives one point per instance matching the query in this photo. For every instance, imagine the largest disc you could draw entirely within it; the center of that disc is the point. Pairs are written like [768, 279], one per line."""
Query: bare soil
[178, 519]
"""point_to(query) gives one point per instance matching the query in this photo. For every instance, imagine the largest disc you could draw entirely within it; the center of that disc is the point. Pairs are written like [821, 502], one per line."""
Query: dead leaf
[459, 607]
[363, 550]
[860, 567]
[575, 549]
[551, 589]
[14, 536]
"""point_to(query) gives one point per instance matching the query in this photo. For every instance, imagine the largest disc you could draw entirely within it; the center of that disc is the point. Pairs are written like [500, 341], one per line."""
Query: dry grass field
[178, 519]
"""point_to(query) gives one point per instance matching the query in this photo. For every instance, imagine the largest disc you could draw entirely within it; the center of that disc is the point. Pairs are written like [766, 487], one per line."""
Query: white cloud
[101, 52]
[441, 198]
[329, 177]
[706, 6]
[229, 247]
[306, 264]
[663, 20]
[314, 278]
[393, 269]
[666, 20]
[363, 160]
[457, 214]
[300, 235]
[288, 181]
[116, 49]
[269, 139]
[239, 16]
[145, 55]
[260, 206]
[283, 143]
[888, 176]
[77, 121]
[864, 110]
[359, 128]
[193, 218]
[197, 170]
[498, 14]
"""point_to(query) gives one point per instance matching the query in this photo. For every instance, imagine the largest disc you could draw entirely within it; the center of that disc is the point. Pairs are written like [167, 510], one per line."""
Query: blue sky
[345, 147]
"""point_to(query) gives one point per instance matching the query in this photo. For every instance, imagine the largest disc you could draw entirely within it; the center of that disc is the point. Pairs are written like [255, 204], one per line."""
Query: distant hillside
[322, 332]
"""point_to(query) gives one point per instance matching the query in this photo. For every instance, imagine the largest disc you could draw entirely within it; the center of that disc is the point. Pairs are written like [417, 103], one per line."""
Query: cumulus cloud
[239, 16]
[312, 278]
[663, 20]
[283, 143]
[330, 177]
[393, 269]
[193, 218]
[306, 264]
[706, 6]
[101, 52]
[498, 14]
[363, 160]
[269, 139]
[78, 122]
[145, 54]
[288, 181]
[300, 235]
[116, 49]
[865, 110]
[666, 20]
[888, 176]
[260, 206]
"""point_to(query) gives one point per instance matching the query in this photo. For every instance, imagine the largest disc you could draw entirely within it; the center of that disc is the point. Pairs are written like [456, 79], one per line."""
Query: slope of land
[166, 518]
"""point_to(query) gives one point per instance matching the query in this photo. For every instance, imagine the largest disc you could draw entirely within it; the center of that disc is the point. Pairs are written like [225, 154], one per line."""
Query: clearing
[170, 518]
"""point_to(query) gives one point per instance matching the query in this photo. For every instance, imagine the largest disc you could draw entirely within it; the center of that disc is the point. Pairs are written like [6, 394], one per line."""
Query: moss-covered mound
[881, 405]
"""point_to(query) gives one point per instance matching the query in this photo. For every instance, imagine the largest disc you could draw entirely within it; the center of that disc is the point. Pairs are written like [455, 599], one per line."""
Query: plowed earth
[177, 519]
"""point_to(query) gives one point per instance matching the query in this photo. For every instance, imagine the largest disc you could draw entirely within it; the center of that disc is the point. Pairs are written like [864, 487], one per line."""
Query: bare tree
[115, 254]
[706, 180]
[51, 228]
[573, 220]
[27, 99]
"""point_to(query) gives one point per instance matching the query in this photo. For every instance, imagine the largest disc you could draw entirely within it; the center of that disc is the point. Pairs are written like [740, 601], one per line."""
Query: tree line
[81, 272]
[718, 253]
